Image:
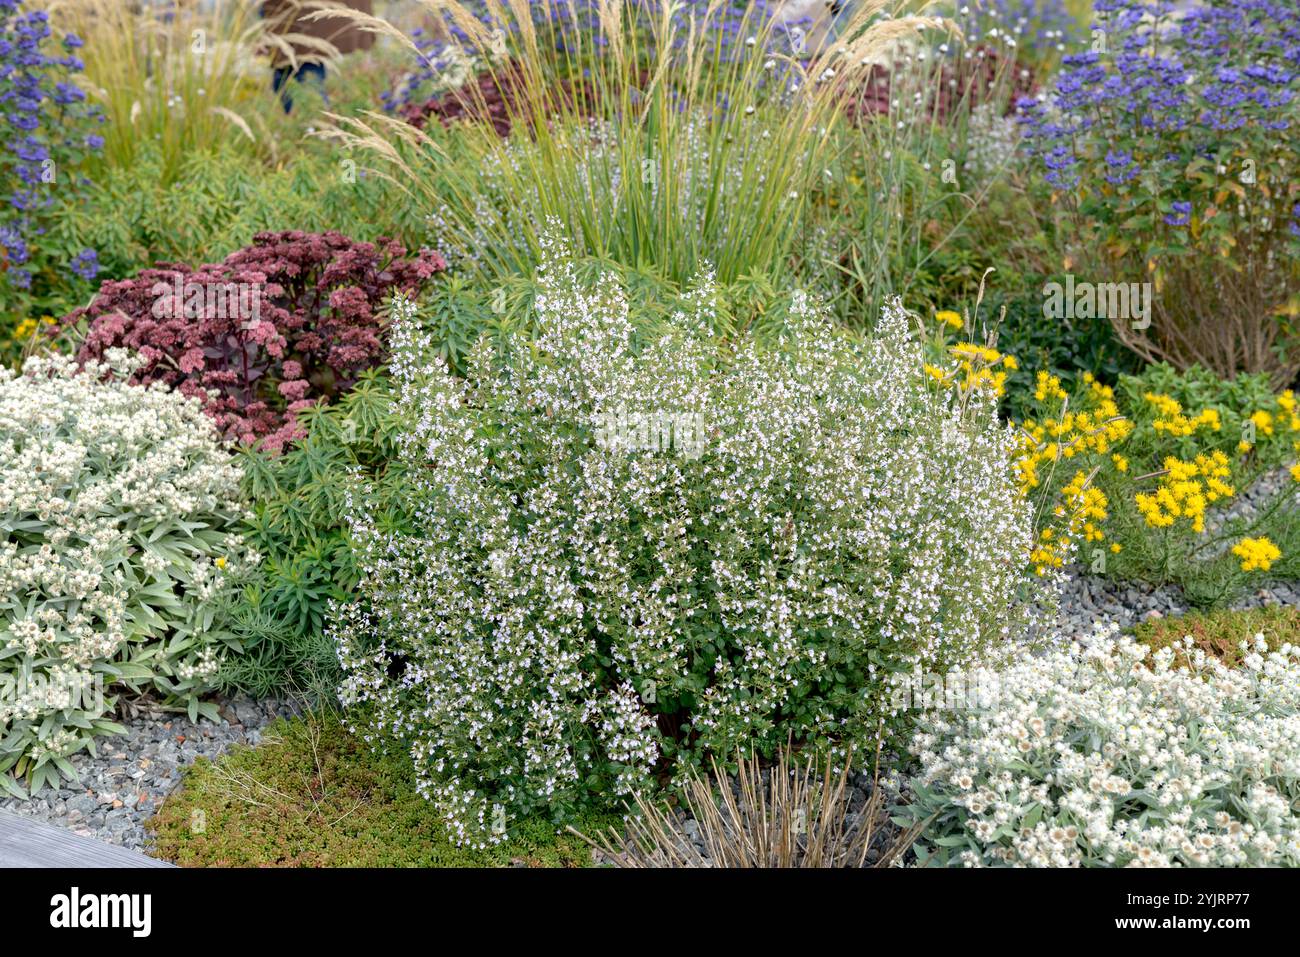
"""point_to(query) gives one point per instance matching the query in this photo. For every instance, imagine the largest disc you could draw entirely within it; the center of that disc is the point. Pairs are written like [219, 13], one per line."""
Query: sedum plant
[115, 506]
[629, 553]
[1105, 754]
[274, 328]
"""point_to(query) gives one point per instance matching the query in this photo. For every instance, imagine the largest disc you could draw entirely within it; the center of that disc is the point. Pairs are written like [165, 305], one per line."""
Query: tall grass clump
[684, 138]
[184, 78]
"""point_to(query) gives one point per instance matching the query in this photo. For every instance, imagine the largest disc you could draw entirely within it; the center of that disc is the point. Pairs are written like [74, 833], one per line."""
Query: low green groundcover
[312, 795]
[1221, 632]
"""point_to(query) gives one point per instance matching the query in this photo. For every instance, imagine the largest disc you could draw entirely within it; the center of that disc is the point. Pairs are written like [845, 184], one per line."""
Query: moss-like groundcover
[313, 795]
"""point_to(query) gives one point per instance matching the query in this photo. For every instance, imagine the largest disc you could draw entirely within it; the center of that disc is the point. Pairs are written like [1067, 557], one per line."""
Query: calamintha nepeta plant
[564, 617]
[115, 507]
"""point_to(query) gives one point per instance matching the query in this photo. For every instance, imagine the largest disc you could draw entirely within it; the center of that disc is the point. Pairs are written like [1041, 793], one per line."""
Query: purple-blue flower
[42, 117]
[1181, 215]
[86, 264]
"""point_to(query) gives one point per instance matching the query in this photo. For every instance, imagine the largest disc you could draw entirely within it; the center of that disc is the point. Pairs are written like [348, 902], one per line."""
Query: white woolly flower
[115, 507]
[1134, 761]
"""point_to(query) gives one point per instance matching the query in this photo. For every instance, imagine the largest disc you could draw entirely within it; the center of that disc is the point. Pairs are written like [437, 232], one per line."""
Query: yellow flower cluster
[1186, 489]
[1048, 386]
[1286, 401]
[1090, 436]
[977, 368]
[26, 328]
[1083, 508]
[1256, 554]
[1172, 420]
[1095, 429]
[1049, 552]
[1085, 505]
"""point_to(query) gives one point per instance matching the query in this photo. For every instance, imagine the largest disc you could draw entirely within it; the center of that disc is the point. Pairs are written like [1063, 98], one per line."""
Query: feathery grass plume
[792, 814]
[646, 137]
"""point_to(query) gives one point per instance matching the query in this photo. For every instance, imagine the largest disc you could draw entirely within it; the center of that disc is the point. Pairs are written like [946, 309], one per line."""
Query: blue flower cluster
[569, 17]
[1175, 77]
[44, 126]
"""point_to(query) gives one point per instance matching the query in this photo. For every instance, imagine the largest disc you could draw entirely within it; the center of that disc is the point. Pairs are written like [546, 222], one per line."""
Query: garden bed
[589, 409]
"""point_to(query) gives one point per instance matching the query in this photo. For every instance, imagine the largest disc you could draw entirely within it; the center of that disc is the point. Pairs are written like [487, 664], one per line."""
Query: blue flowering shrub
[1171, 147]
[46, 130]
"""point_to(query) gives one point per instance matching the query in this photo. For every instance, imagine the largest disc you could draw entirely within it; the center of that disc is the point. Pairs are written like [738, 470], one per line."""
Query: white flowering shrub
[627, 552]
[1105, 754]
[115, 502]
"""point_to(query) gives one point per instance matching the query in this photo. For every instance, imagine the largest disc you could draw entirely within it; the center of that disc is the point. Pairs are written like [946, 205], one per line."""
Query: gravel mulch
[119, 790]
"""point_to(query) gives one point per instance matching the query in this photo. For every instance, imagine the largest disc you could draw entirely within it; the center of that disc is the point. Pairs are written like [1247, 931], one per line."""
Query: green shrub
[217, 201]
[298, 497]
[903, 209]
[1067, 348]
[313, 795]
[118, 506]
[632, 550]
[298, 527]
[1162, 145]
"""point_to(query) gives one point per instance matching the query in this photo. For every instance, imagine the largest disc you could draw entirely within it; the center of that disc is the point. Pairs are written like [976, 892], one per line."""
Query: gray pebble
[138, 769]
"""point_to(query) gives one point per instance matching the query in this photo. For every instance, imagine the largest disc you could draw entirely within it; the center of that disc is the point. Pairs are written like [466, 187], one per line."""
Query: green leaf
[209, 710]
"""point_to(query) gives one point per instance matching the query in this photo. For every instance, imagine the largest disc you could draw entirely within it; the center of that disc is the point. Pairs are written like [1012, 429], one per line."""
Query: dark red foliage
[496, 99]
[277, 326]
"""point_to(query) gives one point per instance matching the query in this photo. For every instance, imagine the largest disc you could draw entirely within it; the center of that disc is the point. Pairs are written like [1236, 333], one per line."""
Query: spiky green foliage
[218, 201]
[307, 556]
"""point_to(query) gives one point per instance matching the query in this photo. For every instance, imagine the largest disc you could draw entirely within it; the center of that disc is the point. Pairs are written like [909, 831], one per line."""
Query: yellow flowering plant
[1170, 455]
[1134, 481]
[16, 340]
